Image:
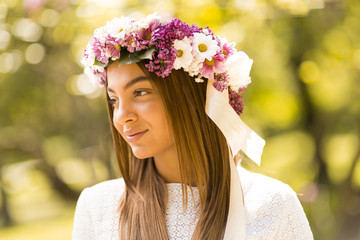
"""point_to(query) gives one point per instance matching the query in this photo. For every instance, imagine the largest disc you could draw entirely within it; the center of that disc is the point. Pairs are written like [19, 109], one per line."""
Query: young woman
[174, 96]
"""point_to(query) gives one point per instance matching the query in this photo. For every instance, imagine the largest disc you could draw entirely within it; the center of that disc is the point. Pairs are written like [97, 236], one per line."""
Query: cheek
[164, 126]
[117, 126]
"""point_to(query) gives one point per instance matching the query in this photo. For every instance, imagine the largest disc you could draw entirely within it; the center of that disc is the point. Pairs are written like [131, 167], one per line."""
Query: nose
[124, 114]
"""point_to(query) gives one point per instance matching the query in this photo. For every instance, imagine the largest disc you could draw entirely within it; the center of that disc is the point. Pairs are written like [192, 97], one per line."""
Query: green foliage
[129, 58]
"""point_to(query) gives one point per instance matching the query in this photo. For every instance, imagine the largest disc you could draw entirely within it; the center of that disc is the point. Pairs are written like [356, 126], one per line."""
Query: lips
[133, 136]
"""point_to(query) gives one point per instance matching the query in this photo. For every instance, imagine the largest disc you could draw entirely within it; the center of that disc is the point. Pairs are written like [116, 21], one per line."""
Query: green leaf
[129, 58]
[147, 54]
[100, 64]
[124, 58]
[133, 58]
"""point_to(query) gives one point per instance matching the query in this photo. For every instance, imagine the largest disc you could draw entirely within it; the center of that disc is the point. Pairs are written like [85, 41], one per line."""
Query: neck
[167, 165]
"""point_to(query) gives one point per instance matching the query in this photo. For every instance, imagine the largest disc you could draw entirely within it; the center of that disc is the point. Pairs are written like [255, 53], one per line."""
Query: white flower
[239, 65]
[194, 68]
[204, 46]
[205, 31]
[100, 33]
[184, 58]
[93, 78]
[89, 60]
[198, 79]
[145, 22]
[118, 27]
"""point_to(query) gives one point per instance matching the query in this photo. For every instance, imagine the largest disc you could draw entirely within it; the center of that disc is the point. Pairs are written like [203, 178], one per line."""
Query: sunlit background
[304, 100]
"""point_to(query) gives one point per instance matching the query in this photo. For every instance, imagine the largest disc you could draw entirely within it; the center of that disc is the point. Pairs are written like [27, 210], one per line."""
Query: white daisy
[118, 27]
[205, 46]
[184, 58]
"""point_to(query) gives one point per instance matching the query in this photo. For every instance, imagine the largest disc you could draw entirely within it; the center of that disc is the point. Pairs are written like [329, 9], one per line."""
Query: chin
[141, 154]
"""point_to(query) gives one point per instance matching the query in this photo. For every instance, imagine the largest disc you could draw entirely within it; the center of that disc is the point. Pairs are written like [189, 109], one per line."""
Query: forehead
[118, 76]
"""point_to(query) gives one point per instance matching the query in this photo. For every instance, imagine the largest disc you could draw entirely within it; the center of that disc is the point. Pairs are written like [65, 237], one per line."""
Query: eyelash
[112, 101]
[136, 93]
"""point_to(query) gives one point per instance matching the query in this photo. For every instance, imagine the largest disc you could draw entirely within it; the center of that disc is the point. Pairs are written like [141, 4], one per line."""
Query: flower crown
[168, 46]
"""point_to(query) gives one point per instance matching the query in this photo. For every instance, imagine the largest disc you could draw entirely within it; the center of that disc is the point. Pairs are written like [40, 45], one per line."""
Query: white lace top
[272, 211]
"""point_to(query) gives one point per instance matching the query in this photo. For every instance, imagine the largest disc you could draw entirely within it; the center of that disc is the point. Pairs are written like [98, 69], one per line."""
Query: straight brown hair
[203, 159]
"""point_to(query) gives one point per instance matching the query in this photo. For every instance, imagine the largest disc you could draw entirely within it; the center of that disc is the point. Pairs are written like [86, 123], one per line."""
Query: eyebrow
[131, 82]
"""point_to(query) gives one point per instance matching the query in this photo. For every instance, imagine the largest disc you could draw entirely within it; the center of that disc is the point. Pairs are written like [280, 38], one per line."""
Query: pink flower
[112, 48]
[228, 49]
[99, 77]
[99, 50]
[145, 35]
[131, 42]
[215, 65]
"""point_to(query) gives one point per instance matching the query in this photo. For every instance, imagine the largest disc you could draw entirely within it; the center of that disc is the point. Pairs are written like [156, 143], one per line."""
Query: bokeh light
[81, 85]
[4, 39]
[49, 18]
[3, 11]
[34, 53]
[27, 30]
[339, 152]
[10, 61]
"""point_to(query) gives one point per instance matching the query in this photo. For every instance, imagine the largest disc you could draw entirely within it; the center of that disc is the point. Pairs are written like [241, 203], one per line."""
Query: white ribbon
[237, 133]
[239, 137]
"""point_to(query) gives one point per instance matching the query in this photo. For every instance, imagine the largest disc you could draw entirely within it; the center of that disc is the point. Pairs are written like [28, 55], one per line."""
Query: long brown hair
[203, 159]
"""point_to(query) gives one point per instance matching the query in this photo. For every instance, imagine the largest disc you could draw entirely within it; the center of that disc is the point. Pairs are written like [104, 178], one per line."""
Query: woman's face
[139, 114]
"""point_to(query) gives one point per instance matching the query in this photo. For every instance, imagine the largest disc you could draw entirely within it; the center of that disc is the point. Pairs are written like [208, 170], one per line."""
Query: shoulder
[272, 209]
[96, 215]
[266, 194]
[258, 185]
[105, 194]
[110, 187]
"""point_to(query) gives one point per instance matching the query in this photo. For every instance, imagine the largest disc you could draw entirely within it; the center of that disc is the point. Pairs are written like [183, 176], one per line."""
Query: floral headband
[174, 45]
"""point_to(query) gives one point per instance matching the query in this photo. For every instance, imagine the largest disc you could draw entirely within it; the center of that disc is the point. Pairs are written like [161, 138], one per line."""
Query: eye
[112, 101]
[140, 92]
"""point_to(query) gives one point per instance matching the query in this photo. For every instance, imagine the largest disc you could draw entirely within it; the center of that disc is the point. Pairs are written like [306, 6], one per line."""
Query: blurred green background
[304, 100]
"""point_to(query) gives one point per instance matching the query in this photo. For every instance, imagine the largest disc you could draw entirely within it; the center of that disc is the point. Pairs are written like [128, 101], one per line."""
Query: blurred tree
[5, 218]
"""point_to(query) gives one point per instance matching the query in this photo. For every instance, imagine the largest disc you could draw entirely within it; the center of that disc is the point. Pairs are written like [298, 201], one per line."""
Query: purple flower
[221, 82]
[164, 37]
[235, 100]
